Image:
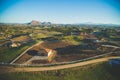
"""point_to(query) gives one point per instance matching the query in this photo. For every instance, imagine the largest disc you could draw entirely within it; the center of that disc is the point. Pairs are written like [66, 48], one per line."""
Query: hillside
[34, 23]
[100, 71]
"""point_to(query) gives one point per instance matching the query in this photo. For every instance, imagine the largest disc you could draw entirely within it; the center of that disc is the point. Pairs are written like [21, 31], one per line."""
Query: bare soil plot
[39, 61]
[72, 53]
[65, 52]
[39, 49]
[54, 45]
[24, 58]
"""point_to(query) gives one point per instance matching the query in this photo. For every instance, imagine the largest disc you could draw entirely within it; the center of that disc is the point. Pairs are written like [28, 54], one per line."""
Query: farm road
[32, 69]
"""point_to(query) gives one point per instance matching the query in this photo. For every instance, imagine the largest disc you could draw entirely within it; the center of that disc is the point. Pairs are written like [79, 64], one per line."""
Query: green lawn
[73, 39]
[8, 54]
[101, 71]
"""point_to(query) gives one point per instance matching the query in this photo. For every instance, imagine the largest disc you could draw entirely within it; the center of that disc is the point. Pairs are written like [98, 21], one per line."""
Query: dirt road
[31, 69]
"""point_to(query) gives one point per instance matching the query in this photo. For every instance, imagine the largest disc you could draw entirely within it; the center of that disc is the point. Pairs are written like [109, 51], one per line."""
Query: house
[15, 45]
[51, 54]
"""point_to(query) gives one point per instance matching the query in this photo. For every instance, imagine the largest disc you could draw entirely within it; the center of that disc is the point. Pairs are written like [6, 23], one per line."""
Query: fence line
[60, 63]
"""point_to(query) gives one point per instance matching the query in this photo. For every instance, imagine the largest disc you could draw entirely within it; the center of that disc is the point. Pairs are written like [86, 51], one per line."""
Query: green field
[101, 71]
[73, 39]
[7, 54]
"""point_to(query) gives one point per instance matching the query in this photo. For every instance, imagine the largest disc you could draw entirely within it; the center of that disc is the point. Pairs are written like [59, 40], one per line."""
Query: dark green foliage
[92, 72]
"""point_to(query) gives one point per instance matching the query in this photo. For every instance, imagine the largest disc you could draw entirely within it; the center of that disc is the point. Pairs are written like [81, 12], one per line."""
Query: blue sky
[60, 11]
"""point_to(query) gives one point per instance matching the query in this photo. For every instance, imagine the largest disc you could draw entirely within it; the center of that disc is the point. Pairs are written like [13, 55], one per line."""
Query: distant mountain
[46, 23]
[34, 23]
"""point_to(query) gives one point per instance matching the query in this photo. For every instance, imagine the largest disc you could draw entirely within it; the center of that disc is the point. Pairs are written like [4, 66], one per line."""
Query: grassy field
[101, 71]
[73, 39]
[8, 54]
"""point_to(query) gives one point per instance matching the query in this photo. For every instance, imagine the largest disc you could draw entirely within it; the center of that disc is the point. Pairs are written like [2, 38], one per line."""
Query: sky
[60, 11]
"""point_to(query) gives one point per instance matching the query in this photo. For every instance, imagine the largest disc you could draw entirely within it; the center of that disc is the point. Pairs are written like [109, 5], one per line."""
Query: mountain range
[35, 23]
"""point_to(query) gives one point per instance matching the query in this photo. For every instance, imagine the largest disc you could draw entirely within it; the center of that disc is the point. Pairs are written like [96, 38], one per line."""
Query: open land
[58, 44]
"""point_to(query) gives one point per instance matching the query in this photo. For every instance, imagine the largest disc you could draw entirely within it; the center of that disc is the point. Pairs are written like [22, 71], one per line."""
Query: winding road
[6, 69]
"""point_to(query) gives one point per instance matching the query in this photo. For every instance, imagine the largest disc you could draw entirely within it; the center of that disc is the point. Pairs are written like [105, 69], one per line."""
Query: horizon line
[59, 23]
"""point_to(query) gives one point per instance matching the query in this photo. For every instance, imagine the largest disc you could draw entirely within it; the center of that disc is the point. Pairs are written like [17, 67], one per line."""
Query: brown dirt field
[44, 45]
[21, 38]
[65, 52]
[24, 58]
[54, 45]
[72, 53]
[39, 62]
[37, 47]
[72, 57]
